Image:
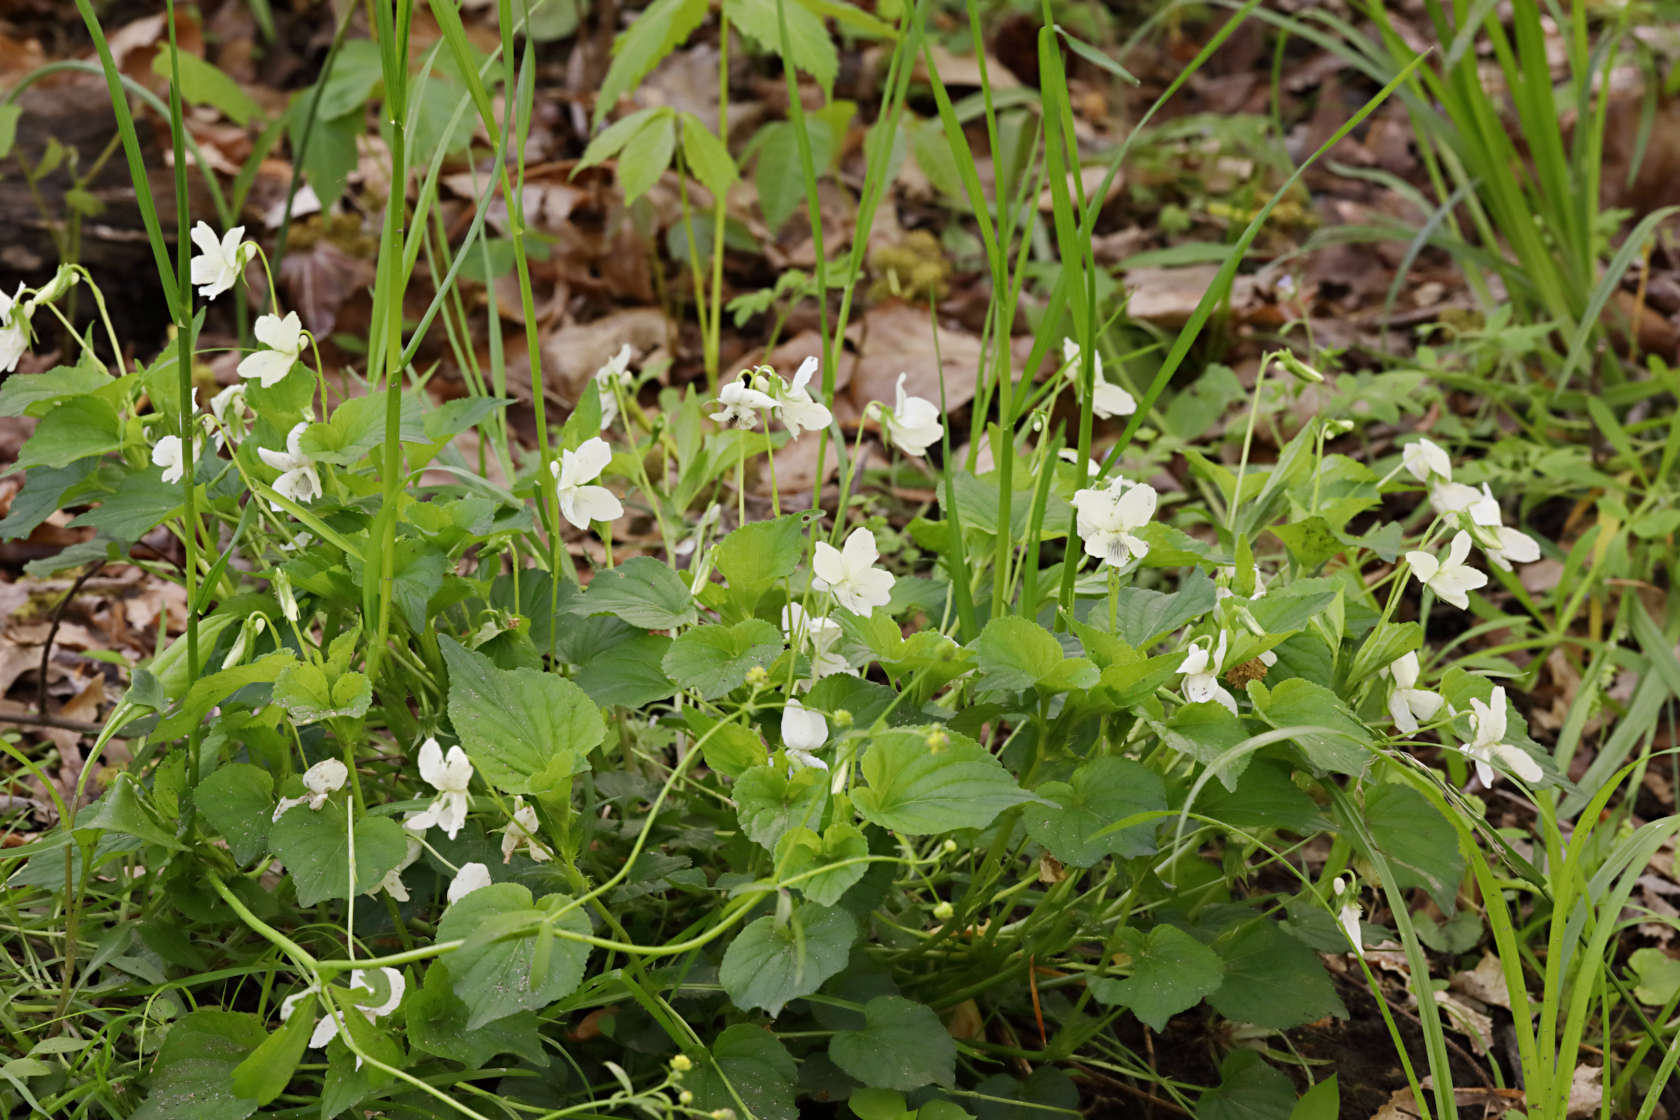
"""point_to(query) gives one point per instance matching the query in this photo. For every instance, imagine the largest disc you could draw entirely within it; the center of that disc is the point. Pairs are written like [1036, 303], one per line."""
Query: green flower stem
[305, 961]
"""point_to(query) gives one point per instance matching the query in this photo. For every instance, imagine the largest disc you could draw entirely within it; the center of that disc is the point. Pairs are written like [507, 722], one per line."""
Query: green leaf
[123, 809]
[714, 660]
[1311, 541]
[495, 972]
[1272, 980]
[1100, 793]
[308, 697]
[356, 72]
[1171, 972]
[35, 394]
[608, 143]
[314, 846]
[640, 591]
[526, 731]
[707, 157]
[331, 155]
[750, 1060]
[74, 429]
[760, 554]
[768, 804]
[193, 1076]
[627, 673]
[766, 966]
[1322, 1102]
[1293, 606]
[141, 502]
[729, 749]
[216, 689]
[1249, 1089]
[902, 1045]
[1328, 734]
[266, 1073]
[777, 144]
[203, 84]
[1657, 976]
[1014, 654]
[42, 494]
[646, 156]
[237, 800]
[917, 790]
[437, 1023]
[1145, 616]
[641, 46]
[810, 49]
[9, 115]
[1419, 844]
[1264, 797]
[801, 850]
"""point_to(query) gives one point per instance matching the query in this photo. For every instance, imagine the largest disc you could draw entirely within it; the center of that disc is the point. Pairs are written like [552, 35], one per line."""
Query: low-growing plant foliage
[443, 805]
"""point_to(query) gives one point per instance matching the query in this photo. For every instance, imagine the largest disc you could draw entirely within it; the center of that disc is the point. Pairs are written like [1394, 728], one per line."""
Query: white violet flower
[1424, 460]
[322, 780]
[1107, 398]
[1349, 913]
[820, 634]
[327, 1029]
[298, 480]
[1500, 543]
[1201, 673]
[849, 573]
[166, 453]
[470, 878]
[743, 404]
[450, 775]
[803, 731]
[219, 263]
[797, 409]
[14, 329]
[1451, 579]
[1407, 703]
[1453, 497]
[609, 379]
[1110, 518]
[392, 884]
[581, 503]
[284, 341]
[913, 422]
[1487, 742]
[522, 830]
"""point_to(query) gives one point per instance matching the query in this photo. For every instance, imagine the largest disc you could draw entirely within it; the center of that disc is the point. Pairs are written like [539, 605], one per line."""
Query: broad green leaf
[760, 554]
[1171, 972]
[755, 1065]
[42, 494]
[35, 394]
[1384, 645]
[216, 689]
[309, 697]
[646, 156]
[714, 660]
[767, 967]
[74, 429]
[1249, 1089]
[141, 502]
[1657, 976]
[809, 47]
[357, 426]
[1100, 793]
[1014, 654]
[1311, 541]
[237, 800]
[314, 846]
[729, 749]
[266, 1073]
[1264, 797]
[801, 850]
[1208, 733]
[1329, 735]
[437, 1023]
[500, 970]
[193, 1074]
[902, 1045]
[777, 144]
[640, 591]
[1144, 616]
[203, 84]
[641, 46]
[707, 157]
[525, 730]
[1293, 606]
[607, 144]
[769, 804]
[1272, 980]
[879, 1104]
[123, 809]
[1322, 1102]
[1419, 844]
[920, 788]
[627, 673]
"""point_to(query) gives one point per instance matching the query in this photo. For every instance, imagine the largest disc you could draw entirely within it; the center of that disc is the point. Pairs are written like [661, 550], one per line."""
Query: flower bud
[936, 739]
[943, 911]
[685, 1097]
[283, 592]
[681, 1064]
[758, 676]
[1296, 368]
[840, 717]
[949, 847]
[62, 282]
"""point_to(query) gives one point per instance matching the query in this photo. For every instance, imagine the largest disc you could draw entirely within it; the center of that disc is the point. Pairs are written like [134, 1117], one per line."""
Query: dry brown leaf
[894, 338]
[1168, 296]
[1485, 982]
[572, 354]
[320, 280]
